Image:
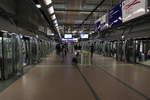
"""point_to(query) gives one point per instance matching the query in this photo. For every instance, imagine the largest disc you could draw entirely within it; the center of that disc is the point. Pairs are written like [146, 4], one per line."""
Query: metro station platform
[55, 78]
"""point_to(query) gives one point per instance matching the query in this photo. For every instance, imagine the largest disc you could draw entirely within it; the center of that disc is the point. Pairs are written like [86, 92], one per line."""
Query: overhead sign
[115, 16]
[133, 8]
[84, 36]
[104, 22]
[69, 40]
[68, 36]
[98, 24]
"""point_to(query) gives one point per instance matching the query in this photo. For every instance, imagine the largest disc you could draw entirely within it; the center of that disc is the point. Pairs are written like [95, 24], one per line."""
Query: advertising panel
[133, 8]
[115, 16]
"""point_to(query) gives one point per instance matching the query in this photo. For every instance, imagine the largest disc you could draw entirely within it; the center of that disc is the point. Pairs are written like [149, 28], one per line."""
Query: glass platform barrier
[84, 58]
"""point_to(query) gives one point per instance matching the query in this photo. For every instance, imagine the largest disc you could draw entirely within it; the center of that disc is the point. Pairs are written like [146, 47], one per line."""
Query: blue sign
[115, 16]
[98, 26]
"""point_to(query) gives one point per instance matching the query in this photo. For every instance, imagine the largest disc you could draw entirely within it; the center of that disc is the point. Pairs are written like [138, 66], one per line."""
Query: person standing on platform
[92, 50]
[58, 49]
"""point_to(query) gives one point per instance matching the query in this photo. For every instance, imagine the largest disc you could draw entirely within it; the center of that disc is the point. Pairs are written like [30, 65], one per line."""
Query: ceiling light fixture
[38, 5]
[56, 25]
[55, 21]
[53, 17]
[51, 10]
[48, 2]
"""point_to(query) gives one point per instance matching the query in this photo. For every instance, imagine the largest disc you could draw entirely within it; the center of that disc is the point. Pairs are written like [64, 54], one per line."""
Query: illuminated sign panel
[68, 36]
[133, 8]
[115, 16]
[69, 40]
[98, 24]
[84, 36]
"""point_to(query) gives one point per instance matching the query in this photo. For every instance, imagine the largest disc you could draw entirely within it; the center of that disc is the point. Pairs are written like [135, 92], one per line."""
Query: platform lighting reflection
[48, 2]
[51, 10]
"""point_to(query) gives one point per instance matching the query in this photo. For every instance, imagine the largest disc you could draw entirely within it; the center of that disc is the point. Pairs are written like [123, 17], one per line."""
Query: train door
[7, 53]
[27, 52]
[130, 51]
[143, 52]
[24, 52]
[109, 49]
[15, 52]
[114, 49]
[1, 57]
[119, 50]
[139, 51]
[31, 50]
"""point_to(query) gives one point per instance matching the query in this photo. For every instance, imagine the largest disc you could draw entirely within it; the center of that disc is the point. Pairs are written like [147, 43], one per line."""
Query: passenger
[66, 49]
[92, 50]
[76, 47]
[79, 47]
[58, 49]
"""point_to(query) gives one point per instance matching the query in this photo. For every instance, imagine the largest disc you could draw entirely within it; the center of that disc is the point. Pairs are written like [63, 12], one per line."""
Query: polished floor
[56, 79]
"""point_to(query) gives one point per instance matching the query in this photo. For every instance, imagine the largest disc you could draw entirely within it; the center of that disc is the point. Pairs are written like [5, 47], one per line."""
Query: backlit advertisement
[115, 16]
[133, 8]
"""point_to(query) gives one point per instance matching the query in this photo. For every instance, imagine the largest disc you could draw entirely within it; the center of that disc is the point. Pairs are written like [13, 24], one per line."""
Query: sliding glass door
[1, 58]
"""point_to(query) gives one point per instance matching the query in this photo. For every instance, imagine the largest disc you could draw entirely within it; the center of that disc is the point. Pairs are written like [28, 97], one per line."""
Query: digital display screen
[84, 36]
[69, 40]
[68, 36]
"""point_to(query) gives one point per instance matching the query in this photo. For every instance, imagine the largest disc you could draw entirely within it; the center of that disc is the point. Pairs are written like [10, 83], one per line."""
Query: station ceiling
[71, 13]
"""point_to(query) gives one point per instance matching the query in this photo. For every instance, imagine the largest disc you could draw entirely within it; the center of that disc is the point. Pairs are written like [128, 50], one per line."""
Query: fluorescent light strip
[53, 17]
[38, 5]
[51, 10]
[55, 21]
[48, 2]
[56, 24]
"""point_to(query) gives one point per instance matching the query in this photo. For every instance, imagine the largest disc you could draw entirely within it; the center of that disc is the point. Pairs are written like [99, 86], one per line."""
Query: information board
[68, 36]
[98, 24]
[104, 21]
[115, 16]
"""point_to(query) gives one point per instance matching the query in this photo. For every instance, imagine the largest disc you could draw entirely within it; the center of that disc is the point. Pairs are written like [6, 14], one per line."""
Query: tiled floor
[53, 79]
[6, 83]
[133, 76]
[56, 79]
